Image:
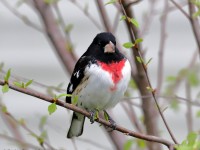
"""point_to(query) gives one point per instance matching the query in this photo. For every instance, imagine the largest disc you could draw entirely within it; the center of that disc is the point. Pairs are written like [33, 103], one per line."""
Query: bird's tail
[76, 127]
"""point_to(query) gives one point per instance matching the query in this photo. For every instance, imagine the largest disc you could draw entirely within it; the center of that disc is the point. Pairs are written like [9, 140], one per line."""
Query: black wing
[78, 74]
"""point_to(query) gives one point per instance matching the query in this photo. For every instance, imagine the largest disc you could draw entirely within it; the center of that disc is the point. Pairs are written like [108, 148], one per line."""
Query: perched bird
[99, 80]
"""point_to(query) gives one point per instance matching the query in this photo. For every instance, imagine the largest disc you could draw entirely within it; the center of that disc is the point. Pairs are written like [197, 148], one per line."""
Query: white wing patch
[71, 88]
[77, 74]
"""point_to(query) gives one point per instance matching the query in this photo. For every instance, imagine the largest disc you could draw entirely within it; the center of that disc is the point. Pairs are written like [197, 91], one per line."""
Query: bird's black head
[104, 48]
[104, 38]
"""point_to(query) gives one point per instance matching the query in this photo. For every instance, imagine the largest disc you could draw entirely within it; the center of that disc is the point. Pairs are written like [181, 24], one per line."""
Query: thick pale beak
[109, 48]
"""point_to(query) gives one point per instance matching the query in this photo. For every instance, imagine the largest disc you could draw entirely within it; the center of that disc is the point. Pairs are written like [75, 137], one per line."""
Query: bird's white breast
[99, 89]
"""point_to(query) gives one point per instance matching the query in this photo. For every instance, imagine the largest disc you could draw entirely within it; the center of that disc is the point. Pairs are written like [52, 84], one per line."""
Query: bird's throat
[114, 69]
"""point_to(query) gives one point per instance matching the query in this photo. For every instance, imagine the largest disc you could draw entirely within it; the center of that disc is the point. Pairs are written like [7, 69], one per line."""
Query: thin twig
[195, 24]
[87, 14]
[18, 141]
[21, 17]
[116, 21]
[181, 9]
[55, 36]
[23, 125]
[87, 114]
[131, 3]
[104, 15]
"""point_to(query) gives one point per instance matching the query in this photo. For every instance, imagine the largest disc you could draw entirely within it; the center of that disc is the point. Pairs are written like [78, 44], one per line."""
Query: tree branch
[21, 16]
[195, 24]
[55, 35]
[104, 15]
[123, 130]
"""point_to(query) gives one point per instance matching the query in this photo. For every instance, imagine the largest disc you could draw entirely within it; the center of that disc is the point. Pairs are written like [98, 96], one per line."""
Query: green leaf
[28, 83]
[132, 84]
[193, 78]
[141, 143]
[106, 116]
[4, 109]
[196, 14]
[52, 108]
[123, 18]
[111, 2]
[50, 1]
[23, 85]
[5, 88]
[139, 40]
[128, 144]
[68, 28]
[171, 79]
[195, 2]
[139, 59]
[174, 104]
[96, 115]
[128, 45]
[191, 138]
[18, 84]
[63, 95]
[198, 114]
[75, 100]
[134, 22]
[6, 78]
[149, 89]
[42, 137]
[149, 61]
[22, 121]
[43, 121]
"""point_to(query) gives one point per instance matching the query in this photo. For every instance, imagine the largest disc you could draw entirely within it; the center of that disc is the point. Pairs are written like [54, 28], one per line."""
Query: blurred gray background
[29, 54]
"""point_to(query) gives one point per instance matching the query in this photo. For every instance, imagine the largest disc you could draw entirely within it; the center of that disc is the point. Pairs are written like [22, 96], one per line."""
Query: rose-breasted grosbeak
[99, 80]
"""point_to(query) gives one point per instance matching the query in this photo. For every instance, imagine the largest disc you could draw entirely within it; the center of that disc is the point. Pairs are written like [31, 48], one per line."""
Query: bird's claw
[112, 122]
[93, 116]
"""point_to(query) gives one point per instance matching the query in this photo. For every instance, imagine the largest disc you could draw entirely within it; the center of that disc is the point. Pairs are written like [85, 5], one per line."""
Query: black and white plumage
[100, 79]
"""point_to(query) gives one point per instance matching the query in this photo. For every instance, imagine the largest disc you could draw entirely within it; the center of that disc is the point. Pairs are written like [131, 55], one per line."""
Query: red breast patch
[114, 69]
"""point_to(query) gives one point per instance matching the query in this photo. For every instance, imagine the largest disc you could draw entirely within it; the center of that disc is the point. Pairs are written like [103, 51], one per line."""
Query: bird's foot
[112, 122]
[94, 115]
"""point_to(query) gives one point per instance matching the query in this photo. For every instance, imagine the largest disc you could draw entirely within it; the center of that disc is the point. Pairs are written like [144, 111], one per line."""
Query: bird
[99, 80]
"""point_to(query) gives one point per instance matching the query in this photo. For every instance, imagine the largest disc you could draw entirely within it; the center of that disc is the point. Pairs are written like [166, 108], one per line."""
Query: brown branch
[23, 125]
[181, 9]
[21, 16]
[87, 14]
[131, 3]
[55, 35]
[13, 127]
[195, 24]
[72, 107]
[19, 141]
[104, 16]
[142, 69]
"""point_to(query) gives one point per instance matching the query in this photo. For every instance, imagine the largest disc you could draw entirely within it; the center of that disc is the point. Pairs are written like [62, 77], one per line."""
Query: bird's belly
[99, 91]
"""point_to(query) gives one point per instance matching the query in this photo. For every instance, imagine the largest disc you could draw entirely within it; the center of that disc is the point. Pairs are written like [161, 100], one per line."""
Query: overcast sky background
[30, 55]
